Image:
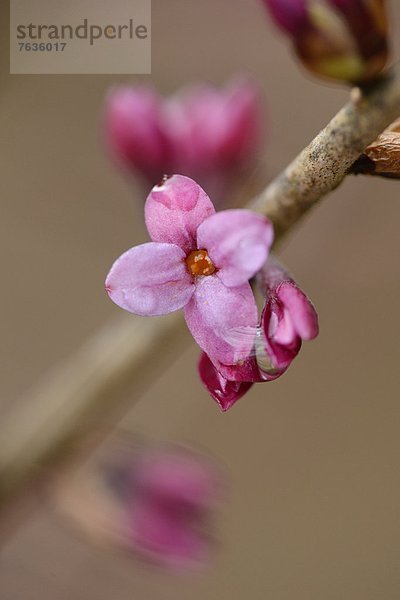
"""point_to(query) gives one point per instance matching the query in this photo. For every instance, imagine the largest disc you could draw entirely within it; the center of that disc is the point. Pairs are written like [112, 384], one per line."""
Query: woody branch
[325, 162]
[114, 359]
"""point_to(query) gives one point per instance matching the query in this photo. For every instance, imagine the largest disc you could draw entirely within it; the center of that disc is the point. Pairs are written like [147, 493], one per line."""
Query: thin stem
[323, 165]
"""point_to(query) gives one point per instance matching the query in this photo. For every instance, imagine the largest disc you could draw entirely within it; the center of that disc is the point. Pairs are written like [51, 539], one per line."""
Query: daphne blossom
[288, 318]
[201, 131]
[198, 260]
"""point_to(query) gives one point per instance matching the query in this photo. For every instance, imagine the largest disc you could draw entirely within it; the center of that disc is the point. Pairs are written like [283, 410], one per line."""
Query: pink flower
[198, 260]
[287, 319]
[202, 132]
[173, 495]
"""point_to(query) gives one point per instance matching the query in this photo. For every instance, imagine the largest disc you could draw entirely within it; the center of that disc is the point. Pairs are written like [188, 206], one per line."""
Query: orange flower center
[199, 263]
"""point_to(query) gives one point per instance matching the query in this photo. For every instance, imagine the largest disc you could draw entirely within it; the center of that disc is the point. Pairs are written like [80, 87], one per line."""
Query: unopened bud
[343, 40]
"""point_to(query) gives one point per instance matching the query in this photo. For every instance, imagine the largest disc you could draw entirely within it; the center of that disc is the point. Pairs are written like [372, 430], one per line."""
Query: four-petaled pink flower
[198, 260]
[287, 319]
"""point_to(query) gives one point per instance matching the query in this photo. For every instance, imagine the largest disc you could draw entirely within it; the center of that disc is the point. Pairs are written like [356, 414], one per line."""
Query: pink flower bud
[134, 133]
[223, 390]
[202, 132]
[217, 129]
[287, 319]
[290, 15]
[344, 40]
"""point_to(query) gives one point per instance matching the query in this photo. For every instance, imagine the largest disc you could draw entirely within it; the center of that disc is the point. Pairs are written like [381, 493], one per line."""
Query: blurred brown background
[313, 457]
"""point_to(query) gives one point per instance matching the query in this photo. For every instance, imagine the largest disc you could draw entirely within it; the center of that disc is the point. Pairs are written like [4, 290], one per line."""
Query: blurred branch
[323, 165]
[64, 405]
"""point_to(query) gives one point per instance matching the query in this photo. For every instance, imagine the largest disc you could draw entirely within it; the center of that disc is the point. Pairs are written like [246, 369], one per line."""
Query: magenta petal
[174, 209]
[303, 316]
[283, 331]
[238, 242]
[289, 15]
[257, 368]
[215, 312]
[280, 355]
[167, 537]
[224, 391]
[150, 279]
[133, 131]
[177, 479]
[243, 109]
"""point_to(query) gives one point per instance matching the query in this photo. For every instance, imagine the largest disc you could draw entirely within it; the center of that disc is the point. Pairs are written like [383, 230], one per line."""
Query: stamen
[199, 263]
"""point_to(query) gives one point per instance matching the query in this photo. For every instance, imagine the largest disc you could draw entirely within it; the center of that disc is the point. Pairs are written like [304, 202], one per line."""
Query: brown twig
[322, 166]
[59, 409]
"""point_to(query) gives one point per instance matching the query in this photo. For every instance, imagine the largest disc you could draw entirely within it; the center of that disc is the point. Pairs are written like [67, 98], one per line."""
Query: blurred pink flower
[198, 260]
[288, 318]
[134, 132]
[173, 496]
[201, 132]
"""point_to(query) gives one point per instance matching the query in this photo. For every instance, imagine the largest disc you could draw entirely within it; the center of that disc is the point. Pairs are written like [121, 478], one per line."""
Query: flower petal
[150, 279]
[244, 109]
[283, 331]
[167, 538]
[289, 15]
[176, 477]
[302, 313]
[224, 391]
[174, 210]
[238, 242]
[133, 130]
[280, 355]
[214, 312]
